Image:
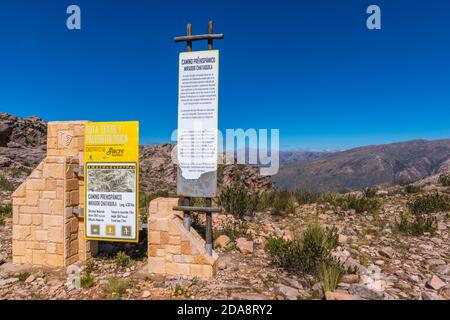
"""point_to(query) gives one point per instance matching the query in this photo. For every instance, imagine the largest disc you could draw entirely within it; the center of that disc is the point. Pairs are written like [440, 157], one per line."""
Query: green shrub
[370, 192]
[238, 201]
[275, 246]
[416, 224]
[304, 253]
[359, 204]
[123, 260]
[90, 265]
[308, 197]
[411, 189]
[284, 202]
[23, 276]
[6, 209]
[87, 281]
[317, 244]
[330, 274]
[444, 179]
[429, 203]
[115, 286]
[6, 185]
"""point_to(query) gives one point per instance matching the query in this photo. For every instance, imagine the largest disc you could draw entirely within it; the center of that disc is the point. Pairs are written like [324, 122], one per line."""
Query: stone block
[156, 265]
[25, 219]
[173, 249]
[164, 237]
[53, 170]
[35, 185]
[173, 268]
[56, 234]
[36, 219]
[48, 194]
[19, 247]
[39, 257]
[154, 237]
[186, 247]
[41, 235]
[57, 207]
[28, 209]
[55, 260]
[44, 206]
[32, 198]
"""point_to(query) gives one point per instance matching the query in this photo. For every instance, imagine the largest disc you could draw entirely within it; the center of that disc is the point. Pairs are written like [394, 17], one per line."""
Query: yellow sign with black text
[111, 188]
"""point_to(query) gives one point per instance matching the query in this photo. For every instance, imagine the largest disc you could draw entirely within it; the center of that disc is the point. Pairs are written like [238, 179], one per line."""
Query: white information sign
[197, 112]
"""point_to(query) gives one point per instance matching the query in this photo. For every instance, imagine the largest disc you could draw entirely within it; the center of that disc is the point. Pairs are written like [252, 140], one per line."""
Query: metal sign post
[204, 185]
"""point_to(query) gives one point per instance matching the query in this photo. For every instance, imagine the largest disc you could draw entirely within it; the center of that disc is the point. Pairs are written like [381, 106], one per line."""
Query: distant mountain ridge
[358, 168]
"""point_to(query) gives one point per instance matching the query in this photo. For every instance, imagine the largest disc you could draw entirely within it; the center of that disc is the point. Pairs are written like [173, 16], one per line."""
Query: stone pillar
[172, 250]
[45, 230]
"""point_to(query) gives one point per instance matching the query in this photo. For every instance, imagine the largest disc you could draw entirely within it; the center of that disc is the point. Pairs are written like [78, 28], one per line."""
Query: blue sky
[309, 68]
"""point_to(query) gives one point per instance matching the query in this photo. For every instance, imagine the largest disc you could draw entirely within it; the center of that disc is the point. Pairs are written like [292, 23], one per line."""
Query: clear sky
[309, 68]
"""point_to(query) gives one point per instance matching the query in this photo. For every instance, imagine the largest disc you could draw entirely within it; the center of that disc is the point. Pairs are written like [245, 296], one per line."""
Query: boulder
[387, 252]
[286, 291]
[435, 283]
[222, 241]
[244, 245]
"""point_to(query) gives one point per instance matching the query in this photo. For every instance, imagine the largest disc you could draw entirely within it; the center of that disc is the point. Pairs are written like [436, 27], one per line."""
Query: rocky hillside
[22, 147]
[159, 174]
[397, 163]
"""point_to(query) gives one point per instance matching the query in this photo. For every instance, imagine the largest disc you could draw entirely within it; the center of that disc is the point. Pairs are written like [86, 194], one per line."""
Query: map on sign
[111, 158]
[197, 122]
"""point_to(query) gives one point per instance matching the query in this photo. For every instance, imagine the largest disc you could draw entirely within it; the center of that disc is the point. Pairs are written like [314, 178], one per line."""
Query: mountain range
[358, 168]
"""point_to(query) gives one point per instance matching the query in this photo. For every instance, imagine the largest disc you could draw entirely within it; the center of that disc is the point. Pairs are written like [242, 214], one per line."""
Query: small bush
[23, 276]
[305, 253]
[2, 220]
[123, 260]
[87, 281]
[444, 179]
[360, 204]
[180, 291]
[416, 224]
[330, 274]
[370, 192]
[238, 201]
[115, 286]
[317, 244]
[90, 265]
[284, 202]
[5, 185]
[411, 189]
[429, 203]
[308, 197]
[6, 209]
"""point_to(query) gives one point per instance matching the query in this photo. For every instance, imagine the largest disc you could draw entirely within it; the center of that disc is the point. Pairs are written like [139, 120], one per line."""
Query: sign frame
[106, 163]
[206, 184]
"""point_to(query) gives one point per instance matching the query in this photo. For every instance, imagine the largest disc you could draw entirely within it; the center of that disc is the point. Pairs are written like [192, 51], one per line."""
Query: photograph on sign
[111, 181]
[197, 122]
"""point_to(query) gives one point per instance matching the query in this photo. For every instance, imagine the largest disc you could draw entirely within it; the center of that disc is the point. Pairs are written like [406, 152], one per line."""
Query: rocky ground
[388, 264]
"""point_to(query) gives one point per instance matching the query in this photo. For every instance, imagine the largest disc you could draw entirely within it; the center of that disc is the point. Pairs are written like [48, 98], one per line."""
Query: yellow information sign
[111, 189]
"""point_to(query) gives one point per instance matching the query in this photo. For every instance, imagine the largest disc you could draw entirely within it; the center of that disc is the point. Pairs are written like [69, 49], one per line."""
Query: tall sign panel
[111, 166]
[198, 85]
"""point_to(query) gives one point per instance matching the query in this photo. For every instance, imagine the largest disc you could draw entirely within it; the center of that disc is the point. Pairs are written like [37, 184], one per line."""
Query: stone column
[45, 230]
[172, 250]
